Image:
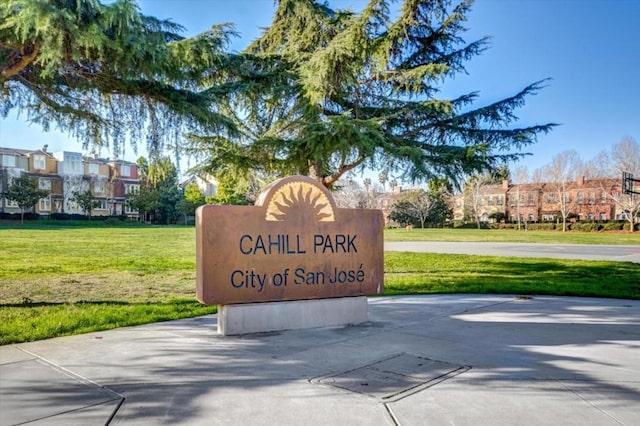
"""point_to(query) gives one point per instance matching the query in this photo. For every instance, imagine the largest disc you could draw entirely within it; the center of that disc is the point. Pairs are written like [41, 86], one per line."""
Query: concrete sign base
[274, 316]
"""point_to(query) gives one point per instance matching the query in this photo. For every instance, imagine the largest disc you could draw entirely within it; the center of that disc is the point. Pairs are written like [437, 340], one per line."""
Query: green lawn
[513, 236]
[58, 281]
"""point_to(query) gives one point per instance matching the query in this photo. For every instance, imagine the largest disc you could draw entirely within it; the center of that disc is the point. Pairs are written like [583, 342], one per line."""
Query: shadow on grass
[80, 303]
[52, 225]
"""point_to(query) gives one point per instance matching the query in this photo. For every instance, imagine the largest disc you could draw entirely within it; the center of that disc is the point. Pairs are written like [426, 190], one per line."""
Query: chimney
[581, 181]
[505, 184]
[44, 148]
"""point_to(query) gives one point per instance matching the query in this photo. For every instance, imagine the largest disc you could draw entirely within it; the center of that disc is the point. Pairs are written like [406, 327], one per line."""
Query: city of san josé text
[284, 244]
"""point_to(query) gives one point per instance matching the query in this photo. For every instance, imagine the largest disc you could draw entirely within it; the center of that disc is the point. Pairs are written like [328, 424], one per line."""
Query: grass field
[513, 236]
[66, 280]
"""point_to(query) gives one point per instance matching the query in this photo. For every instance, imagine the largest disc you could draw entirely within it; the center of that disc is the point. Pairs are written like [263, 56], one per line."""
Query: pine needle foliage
[106, 73]
[324, 91]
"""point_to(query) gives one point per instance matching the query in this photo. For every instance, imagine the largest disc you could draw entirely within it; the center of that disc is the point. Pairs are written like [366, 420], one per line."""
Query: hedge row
[60, 216]
[546, 226]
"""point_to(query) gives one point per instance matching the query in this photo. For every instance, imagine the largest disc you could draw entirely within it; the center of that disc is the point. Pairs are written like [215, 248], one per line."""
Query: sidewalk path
[558, 251]
[454, 359]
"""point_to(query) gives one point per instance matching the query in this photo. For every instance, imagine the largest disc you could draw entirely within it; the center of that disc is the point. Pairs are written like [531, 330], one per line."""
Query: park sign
[294, 244]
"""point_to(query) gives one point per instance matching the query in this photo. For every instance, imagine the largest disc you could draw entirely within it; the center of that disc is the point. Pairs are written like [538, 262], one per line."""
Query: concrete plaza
[455, 359]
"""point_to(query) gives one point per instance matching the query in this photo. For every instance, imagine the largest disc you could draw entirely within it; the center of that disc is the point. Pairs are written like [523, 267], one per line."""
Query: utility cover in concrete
[394, 378]
[294, 244]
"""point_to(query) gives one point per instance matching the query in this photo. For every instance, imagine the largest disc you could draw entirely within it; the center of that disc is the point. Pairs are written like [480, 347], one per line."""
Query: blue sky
[589, 48]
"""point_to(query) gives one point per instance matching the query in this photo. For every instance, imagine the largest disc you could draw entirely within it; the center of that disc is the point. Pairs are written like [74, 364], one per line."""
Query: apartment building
[64, 173]
[582, 199]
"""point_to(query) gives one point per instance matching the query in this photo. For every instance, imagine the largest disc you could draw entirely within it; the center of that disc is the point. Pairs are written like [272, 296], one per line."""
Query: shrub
[68, 216]
[541, 226]
[613, 226]
[16, 216]
[586, 226]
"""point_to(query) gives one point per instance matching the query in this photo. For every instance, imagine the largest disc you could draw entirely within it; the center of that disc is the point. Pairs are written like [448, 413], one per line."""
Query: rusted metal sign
[294, 244]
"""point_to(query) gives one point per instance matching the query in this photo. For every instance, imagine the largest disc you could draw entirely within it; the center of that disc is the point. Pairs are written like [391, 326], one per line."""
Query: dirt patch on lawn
[117, 286]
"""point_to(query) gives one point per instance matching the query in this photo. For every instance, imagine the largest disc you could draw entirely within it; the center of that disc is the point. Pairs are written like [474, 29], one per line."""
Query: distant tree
[232, 189]
[191, 199]
[24, 191]
[105, 71]
[564, 170]
[144, 201]
[473, 192]
[624, 157]
[521, 177]
[86, 201]
[159, 193]
[393, 184]
[499, 174]
[441, 190]
[413, 206]
[193, 195]
[328, 91]
[349, 194]
[367, 183]
[383, 177]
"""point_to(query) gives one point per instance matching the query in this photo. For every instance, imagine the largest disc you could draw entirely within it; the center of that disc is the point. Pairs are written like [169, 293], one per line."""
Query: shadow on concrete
[182, 372]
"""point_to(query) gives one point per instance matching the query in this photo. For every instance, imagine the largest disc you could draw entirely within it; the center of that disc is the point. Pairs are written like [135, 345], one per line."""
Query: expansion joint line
[81, 379]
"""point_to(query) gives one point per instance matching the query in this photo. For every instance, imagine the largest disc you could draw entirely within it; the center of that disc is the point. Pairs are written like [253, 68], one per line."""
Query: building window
[129, 210]
[590, 216]
[94, 168]
[45, 204]
[72, 206]
[602, 216]
[603, 197]
[592, 197]
[551, 198]
[44, 184]
[490, 200]
[101, 204]
[125, 170]
[39, 162]
[12, 203]
[580, 197]
[8, 160]
[99, 188]
[131, 189]
[567, 197]
[74, 164]
[499, 200]
[531, 199]
[530, 217]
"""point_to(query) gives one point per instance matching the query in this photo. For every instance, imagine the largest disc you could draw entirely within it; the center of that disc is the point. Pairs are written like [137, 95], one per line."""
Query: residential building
[584, 199]
[125, 180]
[206, 183]
[13, 162]
[44, 167]
[98, 173]
[65, 173]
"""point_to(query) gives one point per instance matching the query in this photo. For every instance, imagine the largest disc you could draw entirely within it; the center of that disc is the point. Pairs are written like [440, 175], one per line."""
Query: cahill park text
[285, 244]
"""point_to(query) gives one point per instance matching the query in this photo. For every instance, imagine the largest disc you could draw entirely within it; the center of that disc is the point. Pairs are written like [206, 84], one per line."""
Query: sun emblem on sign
[302, 197]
